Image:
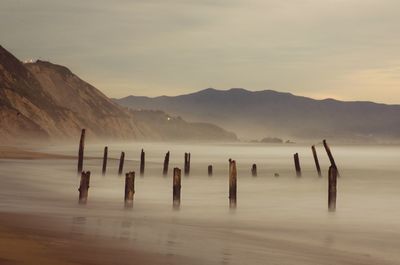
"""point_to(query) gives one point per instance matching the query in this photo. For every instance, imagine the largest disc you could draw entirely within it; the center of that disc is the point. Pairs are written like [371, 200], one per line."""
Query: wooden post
[121, 163]
[232, 183]
[105, 161]
[314, 151]
[187, 164]
[297, 165]
[176, 188]
[328, 151]
[129, 189]
[81, 151]
[210, 170]
[142, 163]
[189, 157]
[332, 188]
[254, 170]
[84, 187]
[166, 162]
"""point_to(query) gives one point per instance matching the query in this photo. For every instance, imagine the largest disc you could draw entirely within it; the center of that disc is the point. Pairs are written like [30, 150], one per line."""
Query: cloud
[156, 47]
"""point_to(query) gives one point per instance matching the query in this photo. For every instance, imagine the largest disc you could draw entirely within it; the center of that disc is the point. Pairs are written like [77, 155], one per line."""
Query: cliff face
[96, 112]
[25, 109]
[42, 100]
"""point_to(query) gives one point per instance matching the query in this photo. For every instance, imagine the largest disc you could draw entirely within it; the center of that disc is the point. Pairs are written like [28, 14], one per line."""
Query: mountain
[269, 113]
[45, 101]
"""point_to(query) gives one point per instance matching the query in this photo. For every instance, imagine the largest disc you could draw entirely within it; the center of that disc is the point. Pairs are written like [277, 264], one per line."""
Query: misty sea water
[282, 219]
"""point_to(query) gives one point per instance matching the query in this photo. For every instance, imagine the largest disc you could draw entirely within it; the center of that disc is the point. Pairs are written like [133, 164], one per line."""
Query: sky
[344, 49]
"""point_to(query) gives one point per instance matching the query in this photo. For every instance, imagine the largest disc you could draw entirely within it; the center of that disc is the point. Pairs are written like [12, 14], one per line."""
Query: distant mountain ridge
[268, 113]
[42, 100]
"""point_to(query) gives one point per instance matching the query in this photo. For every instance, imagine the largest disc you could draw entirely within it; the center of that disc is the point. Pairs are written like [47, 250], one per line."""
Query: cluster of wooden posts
[332, 173]
[176, 183]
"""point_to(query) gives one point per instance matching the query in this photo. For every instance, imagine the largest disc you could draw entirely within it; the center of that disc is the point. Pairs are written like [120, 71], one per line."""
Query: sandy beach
[28, 239]
[279, 220]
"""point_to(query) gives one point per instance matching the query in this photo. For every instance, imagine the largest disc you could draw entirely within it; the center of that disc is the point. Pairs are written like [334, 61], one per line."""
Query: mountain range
[267, 113]
[46, 101]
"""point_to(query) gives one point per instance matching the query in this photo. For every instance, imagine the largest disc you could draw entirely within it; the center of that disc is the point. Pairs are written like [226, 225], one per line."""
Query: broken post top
[130, 174]
[84, 187]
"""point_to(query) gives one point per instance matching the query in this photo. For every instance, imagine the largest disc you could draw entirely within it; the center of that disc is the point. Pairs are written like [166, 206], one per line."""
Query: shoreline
[9, 152]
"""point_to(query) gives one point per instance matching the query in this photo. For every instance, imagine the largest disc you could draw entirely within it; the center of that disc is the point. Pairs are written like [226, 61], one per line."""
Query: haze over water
[278, 220]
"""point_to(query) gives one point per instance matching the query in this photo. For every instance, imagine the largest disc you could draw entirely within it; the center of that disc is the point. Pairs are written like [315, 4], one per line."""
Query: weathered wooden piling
[329, 153]
[81, 151]
[129, 189]
[254, 170]
[176, 188]
[187, 164]
[332, 188]
[297, 164]
[142, 162]
[232, 183]
[314, 151]
[121, 163]
[166, 163]
[105, 156]
[84, 187]
[210, 170]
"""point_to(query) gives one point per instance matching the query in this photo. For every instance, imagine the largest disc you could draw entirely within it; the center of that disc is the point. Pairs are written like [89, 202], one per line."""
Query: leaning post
[330, 156]
[121, 163]
[166, 163]
[314, 151]
[297, 164]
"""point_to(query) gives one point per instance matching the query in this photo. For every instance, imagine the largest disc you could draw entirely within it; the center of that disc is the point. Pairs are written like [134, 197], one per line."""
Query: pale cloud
[153, 47]
[379, 84]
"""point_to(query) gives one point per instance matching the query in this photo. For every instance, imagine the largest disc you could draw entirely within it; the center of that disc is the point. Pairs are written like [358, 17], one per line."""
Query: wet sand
[280, 220]
[34, 239]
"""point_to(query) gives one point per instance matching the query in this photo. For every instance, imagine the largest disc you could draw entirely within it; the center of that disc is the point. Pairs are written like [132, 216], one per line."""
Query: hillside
[269, 113]
[46, 101]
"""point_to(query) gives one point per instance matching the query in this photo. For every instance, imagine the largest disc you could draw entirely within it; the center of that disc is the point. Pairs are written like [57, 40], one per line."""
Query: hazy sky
[347, 49]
